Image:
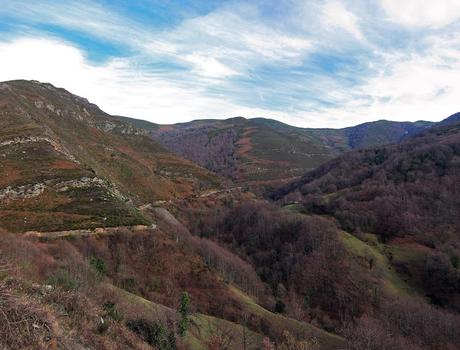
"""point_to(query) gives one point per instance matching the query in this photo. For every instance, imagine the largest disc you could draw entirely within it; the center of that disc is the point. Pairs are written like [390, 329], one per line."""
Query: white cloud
[335, 15]
[83, 16]
[208, 66]
[224, 63]
[230, 42]
[226, 42]
[118, 87]
[418, 87]
[406, 88]
[422, 13]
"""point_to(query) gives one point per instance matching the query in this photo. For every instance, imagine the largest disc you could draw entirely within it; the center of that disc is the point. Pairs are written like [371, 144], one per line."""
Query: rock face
[87, 182]
[36, 139]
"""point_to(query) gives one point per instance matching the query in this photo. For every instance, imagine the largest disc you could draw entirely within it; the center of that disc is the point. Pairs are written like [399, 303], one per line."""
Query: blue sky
[311, 63]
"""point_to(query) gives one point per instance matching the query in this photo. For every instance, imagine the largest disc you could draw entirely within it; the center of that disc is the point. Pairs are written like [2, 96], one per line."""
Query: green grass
[295, 207]
[279, 323]
[202, 327]
[403, 253]
[392, 281]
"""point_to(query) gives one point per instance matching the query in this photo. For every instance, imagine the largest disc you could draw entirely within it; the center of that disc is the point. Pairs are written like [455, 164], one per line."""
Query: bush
[61, 278]
[23, 324]
[99, 265]
[112, 311]
[280, 306]
[128, 284]
[183, 312]
[155, 334]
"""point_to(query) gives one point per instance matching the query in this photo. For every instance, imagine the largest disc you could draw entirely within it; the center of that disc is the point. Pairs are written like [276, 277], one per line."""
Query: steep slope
[122, 290]
[246, 150]
[66, 164]
[408, 195]
[454, 118]
[94, 272]
[264, 151]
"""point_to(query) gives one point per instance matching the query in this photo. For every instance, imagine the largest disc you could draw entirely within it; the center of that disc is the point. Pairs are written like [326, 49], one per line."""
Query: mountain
[454, 118]
[405, 195]
[91, 252]
[263, 151]
[110, 241]
[249, 151]
[66, 164]
[370, 237]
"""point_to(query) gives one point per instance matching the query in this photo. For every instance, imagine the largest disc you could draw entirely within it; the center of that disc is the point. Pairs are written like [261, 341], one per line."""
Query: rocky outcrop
[22, 192]
[86, 182]
[35, 190]
[34, 139]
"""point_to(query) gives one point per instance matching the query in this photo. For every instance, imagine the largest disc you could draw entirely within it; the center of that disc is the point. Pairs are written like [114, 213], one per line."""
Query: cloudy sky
[309, 63]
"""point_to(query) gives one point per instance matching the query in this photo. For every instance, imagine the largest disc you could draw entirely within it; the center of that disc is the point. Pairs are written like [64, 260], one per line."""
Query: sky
[308, 63]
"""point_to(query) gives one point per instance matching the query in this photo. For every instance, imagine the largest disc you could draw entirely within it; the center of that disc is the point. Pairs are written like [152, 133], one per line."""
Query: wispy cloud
[422, 13]
[309, 63]
[115, 86]
[336, 16]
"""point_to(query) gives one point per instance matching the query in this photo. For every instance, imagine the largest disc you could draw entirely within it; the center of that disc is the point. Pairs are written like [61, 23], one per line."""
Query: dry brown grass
[22, 324]
[35, 314]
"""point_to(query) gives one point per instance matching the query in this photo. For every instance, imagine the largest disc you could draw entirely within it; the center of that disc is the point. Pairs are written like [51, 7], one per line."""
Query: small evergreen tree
[184, 312]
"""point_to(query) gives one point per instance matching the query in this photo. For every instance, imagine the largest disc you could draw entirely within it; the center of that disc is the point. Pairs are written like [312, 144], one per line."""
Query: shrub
[99, 265]
[61, 278]
[128, 284]
[155, 334]
[183, 312]
[23, 324]
[112, 311]
[102, 326]
[280, 306]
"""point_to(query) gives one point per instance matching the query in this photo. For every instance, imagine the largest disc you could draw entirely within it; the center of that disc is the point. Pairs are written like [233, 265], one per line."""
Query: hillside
[407, 195]
[110, 241]
[248, 151]
[66, 164]
[91, 257]
[263, 151]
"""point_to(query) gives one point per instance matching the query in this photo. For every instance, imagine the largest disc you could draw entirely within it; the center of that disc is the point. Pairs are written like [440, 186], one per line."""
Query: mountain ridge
[252, 147]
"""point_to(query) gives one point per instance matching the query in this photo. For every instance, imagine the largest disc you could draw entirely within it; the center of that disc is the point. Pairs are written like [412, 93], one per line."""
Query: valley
[241, 233]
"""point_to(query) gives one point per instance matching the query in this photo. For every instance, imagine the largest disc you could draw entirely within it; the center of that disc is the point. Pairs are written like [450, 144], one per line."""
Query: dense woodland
[280, 245]
[314, 278]
[409, 192]
[407, 189]
[212, 149]
[403, 194]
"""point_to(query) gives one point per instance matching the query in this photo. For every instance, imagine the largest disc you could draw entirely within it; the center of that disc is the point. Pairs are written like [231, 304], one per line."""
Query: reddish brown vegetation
[405, 324]
[411, 190]
[299, 257]
[22, 323]
[44, 303]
